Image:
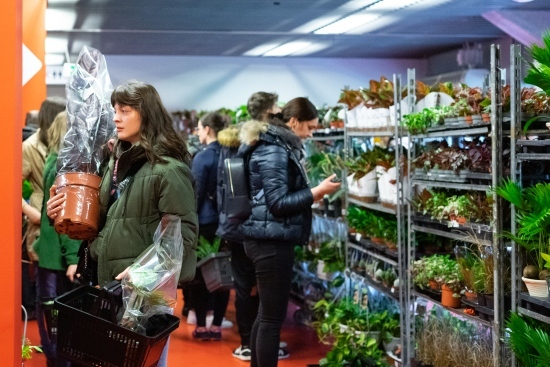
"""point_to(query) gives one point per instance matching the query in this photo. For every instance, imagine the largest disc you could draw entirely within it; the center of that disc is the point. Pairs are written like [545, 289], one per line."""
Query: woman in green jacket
[57, 254]
[147, 177]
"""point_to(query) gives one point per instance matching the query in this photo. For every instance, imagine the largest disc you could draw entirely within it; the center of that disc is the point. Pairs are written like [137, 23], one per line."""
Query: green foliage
[539, 71]
[206, 248]
[419, 122]
[439, 268]
[530, 344]
[367, 161]
[532, 216]
[27, 189]
[332, 255]
[27, 349]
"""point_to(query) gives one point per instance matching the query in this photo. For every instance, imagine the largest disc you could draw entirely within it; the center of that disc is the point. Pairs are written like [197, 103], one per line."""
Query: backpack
[237, 203]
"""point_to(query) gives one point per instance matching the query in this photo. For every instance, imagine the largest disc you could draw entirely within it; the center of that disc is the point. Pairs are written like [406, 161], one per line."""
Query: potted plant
[451, 283]
[529, 341]
[330, 259]
[533, 233]
[89, 126]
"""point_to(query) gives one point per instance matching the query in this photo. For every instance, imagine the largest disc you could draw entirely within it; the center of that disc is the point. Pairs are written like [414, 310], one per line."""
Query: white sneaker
[244, 354]
[226, 324]
[282, 345]
[191, 318]
[283, 354]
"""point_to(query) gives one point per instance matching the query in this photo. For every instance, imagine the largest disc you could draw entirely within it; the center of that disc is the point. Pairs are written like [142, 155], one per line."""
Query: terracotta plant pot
[79, 218]
[471, 296]
[447, 298]
[434, 285]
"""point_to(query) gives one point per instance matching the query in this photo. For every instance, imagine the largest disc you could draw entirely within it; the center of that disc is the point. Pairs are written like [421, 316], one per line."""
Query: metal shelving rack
[495, 132]
[401, 264]
[516, 173]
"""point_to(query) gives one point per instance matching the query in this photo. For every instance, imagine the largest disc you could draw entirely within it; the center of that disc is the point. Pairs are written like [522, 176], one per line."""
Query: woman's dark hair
[213, 120]
[259, 103]
[47, 113]
[300, 108]
[157, 133]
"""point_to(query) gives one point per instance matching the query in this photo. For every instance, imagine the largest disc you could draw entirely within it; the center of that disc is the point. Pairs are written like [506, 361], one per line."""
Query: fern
[531, 345]
[539, 72]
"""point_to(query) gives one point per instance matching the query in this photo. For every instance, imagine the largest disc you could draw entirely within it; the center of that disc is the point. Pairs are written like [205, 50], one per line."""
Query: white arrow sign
[31, 64]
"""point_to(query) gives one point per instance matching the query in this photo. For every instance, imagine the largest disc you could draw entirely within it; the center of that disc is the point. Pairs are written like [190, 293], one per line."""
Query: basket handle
[112, 294]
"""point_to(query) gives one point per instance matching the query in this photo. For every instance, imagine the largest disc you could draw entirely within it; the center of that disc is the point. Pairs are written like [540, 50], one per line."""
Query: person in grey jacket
[281, 215]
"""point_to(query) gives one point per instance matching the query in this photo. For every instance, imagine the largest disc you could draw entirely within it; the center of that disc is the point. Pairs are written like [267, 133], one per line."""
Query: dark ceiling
[232, 27]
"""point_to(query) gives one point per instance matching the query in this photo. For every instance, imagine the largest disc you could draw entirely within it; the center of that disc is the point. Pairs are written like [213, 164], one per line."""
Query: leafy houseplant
[206, 248]
[529, 342]
[539, 71]
[27, 349]
[533, 219]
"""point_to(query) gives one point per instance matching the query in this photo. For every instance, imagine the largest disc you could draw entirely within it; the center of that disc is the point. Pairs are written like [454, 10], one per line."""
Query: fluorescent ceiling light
[311, 49]
[375, 24]
[316, 24]
[59, 19]
[522, 1]
[288, 48]
[348, 23]
[54, 59]
[262, 49]
[391, 5]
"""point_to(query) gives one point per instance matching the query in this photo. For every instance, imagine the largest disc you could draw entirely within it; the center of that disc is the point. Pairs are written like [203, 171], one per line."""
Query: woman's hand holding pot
[55, 203]
[327, 186]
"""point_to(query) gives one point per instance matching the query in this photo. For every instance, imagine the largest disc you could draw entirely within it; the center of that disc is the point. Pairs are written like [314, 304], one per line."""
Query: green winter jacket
[129, 224]
[55, 251]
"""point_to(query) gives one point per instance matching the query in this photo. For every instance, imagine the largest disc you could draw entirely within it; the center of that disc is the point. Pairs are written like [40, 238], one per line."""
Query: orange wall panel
[10, 154]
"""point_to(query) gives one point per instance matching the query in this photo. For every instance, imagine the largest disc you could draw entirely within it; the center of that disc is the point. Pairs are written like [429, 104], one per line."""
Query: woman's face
[303, 129]
[128, 123]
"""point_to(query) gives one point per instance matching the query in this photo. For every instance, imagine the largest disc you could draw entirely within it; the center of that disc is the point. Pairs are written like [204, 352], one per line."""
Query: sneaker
[192, 318]
[283, 354]
[226, 324]
[215, 335]
[242, 353]
[201, 335]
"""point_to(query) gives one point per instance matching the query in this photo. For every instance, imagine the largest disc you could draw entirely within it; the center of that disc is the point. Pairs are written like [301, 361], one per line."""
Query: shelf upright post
[515, 120]
[498, 243]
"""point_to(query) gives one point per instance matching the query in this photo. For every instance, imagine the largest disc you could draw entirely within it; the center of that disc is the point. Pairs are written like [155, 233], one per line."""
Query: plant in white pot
[533, 230]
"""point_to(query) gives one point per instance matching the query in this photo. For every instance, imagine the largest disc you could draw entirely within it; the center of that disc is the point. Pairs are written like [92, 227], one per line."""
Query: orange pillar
[34, 38]
[10, 153]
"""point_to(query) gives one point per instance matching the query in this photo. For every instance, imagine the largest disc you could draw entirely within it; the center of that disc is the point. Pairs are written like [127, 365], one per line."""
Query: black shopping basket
[216, 271]
[87, 337]
[50, 315]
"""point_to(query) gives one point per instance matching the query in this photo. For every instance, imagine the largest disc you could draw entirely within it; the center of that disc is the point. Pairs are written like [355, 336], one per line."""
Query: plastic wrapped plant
[90, 114]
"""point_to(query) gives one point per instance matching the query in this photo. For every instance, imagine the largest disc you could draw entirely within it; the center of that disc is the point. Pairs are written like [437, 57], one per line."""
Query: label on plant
[358, 237]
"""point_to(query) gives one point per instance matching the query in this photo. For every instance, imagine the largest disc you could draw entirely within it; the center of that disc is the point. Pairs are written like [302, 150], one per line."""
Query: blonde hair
[56, 132]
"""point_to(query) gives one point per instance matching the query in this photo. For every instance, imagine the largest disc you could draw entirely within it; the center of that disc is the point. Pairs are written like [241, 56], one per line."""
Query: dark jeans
[199, 293]
[246, 295]
[49, 285]
[273, 262]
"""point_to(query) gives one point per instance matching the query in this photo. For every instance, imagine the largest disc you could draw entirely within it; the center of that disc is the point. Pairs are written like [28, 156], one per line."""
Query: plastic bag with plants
[149, 289]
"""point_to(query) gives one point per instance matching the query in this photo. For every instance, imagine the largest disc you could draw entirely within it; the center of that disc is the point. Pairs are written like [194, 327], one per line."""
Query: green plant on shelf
[533, 223]
[529, 341]
[539, 69]
[367, 161]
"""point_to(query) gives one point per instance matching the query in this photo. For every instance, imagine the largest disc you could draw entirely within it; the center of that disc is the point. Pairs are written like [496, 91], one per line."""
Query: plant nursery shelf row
[535, 307]
[379, 287]
[533, 143]
[374, 206]
[533, 156]
[435, 133]
[451, 235]
[325, 138]
[451, 185]
[369, 133]
[385, 259]
[456, 311]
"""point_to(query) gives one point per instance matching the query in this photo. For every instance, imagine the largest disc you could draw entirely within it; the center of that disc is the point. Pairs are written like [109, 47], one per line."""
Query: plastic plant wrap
[150, 287]
[90, 114]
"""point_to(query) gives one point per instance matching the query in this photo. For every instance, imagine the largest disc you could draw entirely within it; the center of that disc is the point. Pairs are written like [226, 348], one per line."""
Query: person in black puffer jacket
[281, 215]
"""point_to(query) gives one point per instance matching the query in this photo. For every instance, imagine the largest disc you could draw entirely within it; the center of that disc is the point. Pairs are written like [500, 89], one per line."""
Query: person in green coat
[147, 177]
[57, 254]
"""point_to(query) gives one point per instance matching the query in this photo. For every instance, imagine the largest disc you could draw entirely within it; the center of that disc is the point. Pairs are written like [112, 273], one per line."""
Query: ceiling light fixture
[522, 1]
[288, 48]
[262, 49]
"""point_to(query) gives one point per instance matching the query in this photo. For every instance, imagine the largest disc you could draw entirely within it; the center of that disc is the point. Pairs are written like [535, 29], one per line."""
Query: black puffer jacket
[283, 212]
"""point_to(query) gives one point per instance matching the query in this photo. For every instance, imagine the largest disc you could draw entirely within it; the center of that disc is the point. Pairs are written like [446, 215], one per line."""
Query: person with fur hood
[281, 215]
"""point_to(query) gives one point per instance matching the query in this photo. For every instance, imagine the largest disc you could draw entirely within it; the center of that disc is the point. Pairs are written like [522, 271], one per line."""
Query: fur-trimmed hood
[229, 137]
[253, 131]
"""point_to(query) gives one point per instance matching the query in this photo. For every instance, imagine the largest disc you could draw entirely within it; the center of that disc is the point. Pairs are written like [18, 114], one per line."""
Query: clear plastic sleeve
[151, 283]
[90, 114]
